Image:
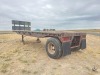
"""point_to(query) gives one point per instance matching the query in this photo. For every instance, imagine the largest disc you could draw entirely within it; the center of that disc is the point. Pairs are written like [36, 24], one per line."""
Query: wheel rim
[51, 48]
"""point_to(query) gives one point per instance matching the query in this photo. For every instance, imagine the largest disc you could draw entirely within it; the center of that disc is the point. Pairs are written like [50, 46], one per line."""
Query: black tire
[56, 47]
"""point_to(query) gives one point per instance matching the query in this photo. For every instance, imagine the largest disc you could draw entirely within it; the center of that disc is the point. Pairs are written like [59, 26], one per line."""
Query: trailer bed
[42, 34]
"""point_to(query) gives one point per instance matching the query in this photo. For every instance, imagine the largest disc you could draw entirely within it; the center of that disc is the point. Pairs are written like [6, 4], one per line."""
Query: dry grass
[4, 67]
[26, 71]
[31, 58]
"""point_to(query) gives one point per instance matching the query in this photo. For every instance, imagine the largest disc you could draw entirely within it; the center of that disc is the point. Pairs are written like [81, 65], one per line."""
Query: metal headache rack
[21, 25]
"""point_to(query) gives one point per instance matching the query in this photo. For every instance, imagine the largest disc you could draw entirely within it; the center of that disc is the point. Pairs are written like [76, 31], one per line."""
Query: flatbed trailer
[60, 43]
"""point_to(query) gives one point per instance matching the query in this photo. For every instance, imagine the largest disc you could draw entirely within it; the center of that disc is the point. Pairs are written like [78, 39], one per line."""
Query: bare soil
[30, 58]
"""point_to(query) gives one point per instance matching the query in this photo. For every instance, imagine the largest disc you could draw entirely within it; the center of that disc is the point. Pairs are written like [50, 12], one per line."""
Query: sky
[56, 14]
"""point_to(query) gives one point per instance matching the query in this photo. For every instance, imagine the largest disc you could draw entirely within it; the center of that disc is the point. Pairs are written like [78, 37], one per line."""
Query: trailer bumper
[66, 47]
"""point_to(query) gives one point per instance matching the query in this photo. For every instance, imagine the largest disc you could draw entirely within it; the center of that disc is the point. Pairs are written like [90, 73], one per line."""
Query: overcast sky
[58, 14]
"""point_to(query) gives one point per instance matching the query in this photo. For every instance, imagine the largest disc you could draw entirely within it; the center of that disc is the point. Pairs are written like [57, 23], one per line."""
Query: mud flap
[83, 44]
[66, 48]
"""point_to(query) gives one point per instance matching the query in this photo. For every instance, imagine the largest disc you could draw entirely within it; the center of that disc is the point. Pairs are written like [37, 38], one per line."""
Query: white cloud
[48, 6]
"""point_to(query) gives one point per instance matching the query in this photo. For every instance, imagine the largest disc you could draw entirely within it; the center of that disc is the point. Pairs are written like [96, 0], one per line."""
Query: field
[30, 58]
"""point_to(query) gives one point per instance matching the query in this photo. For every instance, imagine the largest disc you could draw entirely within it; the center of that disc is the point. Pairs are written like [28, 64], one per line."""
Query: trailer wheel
[53, 48]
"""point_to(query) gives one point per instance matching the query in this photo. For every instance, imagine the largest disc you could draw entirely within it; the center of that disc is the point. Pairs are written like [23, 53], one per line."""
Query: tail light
[65, 39]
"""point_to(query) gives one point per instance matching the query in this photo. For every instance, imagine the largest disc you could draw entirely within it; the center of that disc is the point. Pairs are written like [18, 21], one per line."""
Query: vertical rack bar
[24, 27]
[14, 26]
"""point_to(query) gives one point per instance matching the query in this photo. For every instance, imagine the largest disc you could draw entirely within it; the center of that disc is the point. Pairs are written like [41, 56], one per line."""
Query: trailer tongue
[59, 44]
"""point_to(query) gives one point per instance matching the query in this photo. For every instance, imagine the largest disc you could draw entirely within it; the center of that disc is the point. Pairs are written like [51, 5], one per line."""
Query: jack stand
[23, 39]
[38, 40]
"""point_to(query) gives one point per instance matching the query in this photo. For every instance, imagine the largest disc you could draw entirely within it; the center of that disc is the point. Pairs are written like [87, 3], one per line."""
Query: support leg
[38, 40]
[23, 39]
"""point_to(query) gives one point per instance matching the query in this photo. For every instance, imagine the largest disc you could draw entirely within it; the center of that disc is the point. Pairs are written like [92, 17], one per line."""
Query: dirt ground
[31, 58]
